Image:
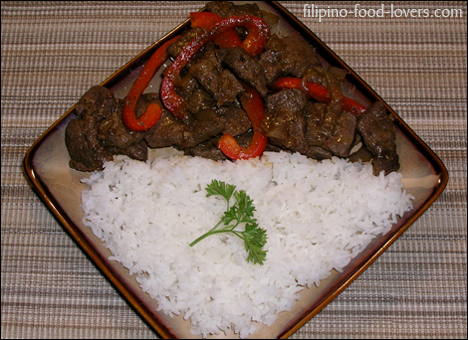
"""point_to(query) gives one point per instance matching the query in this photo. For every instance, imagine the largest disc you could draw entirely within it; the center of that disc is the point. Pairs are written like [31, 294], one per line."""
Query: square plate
[46, 166]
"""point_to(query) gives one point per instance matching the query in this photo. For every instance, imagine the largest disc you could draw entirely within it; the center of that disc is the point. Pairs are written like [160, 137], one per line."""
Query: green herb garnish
[240, 213]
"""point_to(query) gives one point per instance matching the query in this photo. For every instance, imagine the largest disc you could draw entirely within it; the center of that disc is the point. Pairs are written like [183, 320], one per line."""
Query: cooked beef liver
[86, 150]
[228, 9]
[236, 121]
[98, 132]
[318, 131]
[174, 49]
[378, 134]
[138, 151]
[206, 125]
[284, 122]
[288, 56]
[207, 149]
[112, 131]
[314, 113]
[97, 102]
[199, 100]
[246, 68]
[219, 82]
[168, 131]
[330, 128]
[212, 84]
[342, 139]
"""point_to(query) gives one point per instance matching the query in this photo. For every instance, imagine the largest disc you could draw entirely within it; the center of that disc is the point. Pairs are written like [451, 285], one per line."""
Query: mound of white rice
[318, 216]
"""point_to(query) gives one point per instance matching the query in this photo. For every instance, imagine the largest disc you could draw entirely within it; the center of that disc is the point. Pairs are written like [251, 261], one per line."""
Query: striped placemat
[52, 52]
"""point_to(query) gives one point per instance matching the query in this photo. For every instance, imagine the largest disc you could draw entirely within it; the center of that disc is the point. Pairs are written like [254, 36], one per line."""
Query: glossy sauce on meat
[211, 85]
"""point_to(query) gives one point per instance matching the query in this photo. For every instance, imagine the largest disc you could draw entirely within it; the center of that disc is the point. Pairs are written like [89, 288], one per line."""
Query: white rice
[318, 216]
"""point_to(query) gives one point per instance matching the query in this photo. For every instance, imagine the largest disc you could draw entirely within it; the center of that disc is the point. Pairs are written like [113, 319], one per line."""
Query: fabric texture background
[52, 52]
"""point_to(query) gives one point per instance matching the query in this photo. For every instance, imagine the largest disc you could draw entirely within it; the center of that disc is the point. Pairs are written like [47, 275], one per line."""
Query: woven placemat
[52, 52]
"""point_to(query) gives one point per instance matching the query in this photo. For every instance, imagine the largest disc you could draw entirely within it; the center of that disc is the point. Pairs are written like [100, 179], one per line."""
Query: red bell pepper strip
[319, 92]
[252, 103]
[314, 90]
[254, 43]
[153, 111]
[229, 146]
[286, 83]
[229, 39]
[353, 106]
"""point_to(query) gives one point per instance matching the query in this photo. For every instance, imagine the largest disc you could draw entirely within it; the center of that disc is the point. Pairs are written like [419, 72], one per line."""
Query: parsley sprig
[241, 212]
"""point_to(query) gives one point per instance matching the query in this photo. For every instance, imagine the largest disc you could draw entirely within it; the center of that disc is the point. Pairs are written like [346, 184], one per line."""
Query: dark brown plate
[46, 165]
